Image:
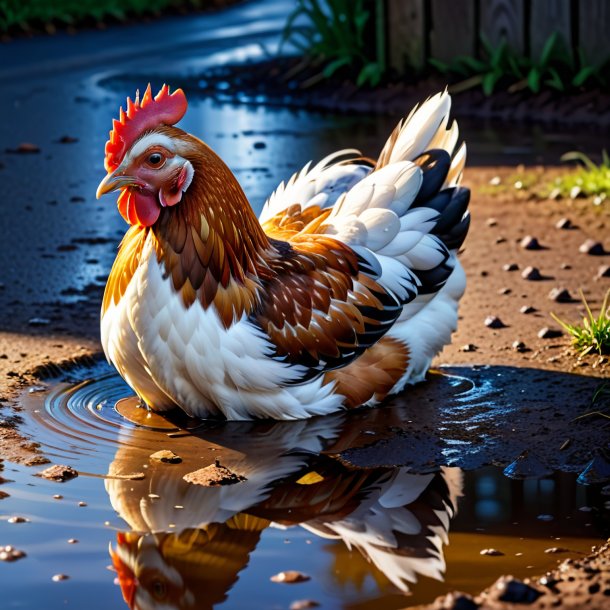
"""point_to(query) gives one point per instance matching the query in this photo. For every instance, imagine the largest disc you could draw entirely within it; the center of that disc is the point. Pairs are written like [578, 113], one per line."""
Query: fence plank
[549, 16]
[504, 20]
[594, 25]
[453, 29]
[405, 29]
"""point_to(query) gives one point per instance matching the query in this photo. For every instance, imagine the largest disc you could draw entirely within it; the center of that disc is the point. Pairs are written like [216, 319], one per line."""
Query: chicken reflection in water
[189, 542]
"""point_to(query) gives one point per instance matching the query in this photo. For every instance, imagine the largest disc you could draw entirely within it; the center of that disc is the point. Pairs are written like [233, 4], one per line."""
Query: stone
[59, 577]
[603, 271]
[213, 475]
[515, 591]
[592, 247]
[549, 333]
[59, 473]
[519, 346]
[494, 322]
[531, 273]
[530, 243]
[564, 223]
[303, 604]
[510, 267]
[166, 456]
[469, 347]
[560, 295]
[527, 309]
[10, 553]
[290, 577]
[491, 552]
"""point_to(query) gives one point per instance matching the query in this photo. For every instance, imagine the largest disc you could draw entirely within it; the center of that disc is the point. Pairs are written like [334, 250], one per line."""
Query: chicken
[339, 295]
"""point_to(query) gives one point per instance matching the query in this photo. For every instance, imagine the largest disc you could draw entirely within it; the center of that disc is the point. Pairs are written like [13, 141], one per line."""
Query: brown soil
[578, 584]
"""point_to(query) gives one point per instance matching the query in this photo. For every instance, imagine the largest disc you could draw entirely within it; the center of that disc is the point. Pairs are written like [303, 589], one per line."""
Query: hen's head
[146, 157]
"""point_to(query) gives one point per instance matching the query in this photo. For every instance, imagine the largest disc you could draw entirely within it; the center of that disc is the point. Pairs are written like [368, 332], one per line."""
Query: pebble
[592, 247]
[519, 346]
[9, 553]
[527, 309]
[290, 577]
[39, 321]
[510, 267]
[72, 541]
[500, 240]
[17, 520]
[531, 273]
[491, 552]
[167, 456]
[302, 604]
[82, 503]
[560, 295]
[495, 181]
[603, 271]
[469, 347]
[556, 549]
[545, 517]
[60, 577]
[564, 223]
[565, 266]
[504, 291]
[67, 140]
[491, 222]
[58, 497]
[260, 145]
[494, 322]
[25, 148]
[510, 589]
[549, 333]
[58, 472]
[530, 243]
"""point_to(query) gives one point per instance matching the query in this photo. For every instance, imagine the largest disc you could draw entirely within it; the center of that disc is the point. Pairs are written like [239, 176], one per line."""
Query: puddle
[381, 508]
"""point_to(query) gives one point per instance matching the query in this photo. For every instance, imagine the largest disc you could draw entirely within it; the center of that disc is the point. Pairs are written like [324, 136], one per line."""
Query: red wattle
[138, 209]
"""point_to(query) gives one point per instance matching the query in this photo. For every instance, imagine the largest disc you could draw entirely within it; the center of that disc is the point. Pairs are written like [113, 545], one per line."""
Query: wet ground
[494, 453]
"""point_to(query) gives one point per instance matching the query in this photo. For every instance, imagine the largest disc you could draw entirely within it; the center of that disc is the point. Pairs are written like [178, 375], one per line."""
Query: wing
[323, 306]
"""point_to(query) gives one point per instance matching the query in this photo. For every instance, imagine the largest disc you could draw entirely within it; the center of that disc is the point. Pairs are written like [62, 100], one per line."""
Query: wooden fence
[442, 29]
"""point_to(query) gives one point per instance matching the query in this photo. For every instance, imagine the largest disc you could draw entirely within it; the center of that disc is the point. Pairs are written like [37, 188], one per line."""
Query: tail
[407, 219]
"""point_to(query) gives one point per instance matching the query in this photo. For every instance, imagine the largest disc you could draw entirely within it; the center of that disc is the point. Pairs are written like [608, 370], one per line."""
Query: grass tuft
[588, 180]
[594, 334]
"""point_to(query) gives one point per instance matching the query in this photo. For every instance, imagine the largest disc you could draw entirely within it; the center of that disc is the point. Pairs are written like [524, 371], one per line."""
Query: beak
[112, 182]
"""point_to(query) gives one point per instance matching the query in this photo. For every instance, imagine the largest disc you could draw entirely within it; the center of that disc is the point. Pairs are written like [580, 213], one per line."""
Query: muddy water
[397, 532]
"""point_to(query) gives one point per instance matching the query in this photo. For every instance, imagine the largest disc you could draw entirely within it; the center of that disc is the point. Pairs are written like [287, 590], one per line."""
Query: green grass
[334, 36]
[500, 67]
[24, 14]
[589, 180]
[594, 334]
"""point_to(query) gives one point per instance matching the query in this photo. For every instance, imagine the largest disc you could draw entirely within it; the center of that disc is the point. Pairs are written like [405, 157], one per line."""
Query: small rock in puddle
[60, 577]
[39, 321]
[528, 465]
[596, 471]
[290, 577]
[18, 520]
[166, 456]
[545, 517]
[9, 553]
[556, 549]
[303, 604]
[59, 473]
[491, 552]
[213, 475]
[25, 148]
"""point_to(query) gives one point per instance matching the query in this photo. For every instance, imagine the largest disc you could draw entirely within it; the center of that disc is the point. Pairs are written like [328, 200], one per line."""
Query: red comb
[141, 116]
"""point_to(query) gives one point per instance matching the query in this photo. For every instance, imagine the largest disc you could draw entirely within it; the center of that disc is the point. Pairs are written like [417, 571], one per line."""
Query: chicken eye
[155, 160]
